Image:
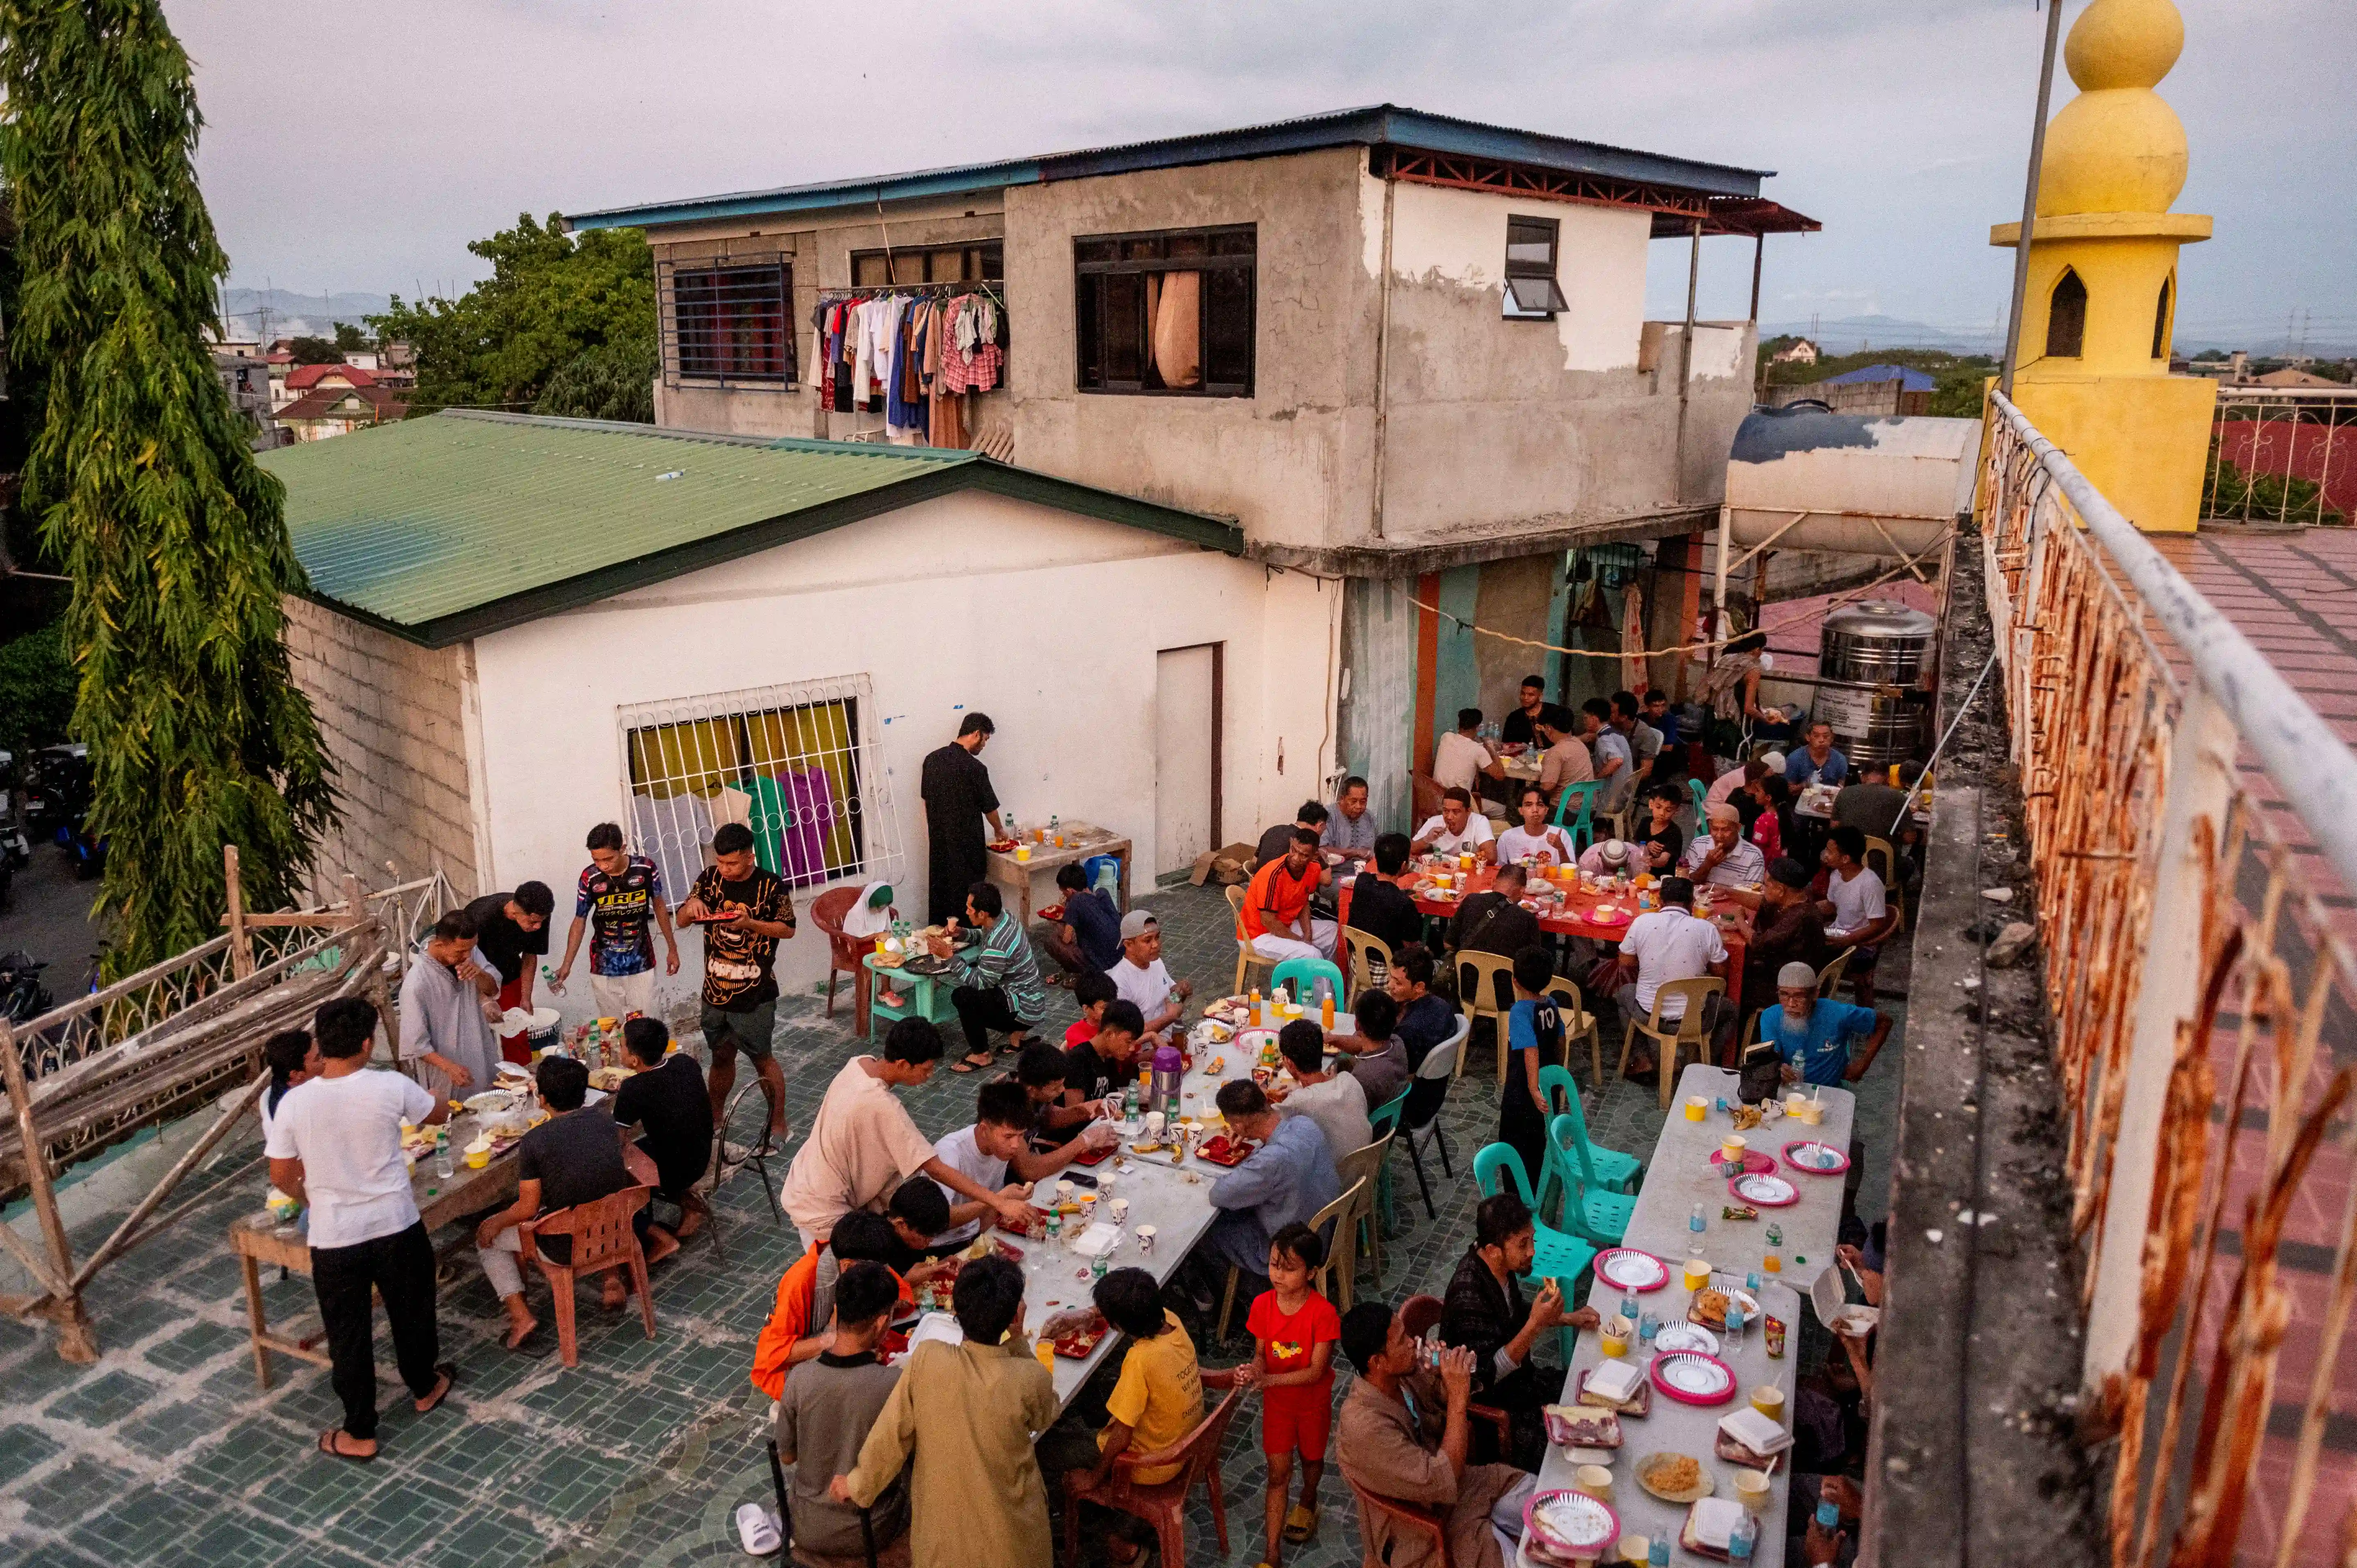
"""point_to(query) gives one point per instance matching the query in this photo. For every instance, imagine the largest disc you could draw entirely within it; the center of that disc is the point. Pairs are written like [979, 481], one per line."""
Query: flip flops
[328, 1446]
[1301, 1525]
[449, 1373]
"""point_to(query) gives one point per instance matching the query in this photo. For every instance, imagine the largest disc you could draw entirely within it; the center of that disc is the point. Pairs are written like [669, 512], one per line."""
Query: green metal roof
[459, 523]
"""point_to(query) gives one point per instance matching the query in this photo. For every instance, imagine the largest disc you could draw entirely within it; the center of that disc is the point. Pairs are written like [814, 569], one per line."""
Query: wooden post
[75, 1341]
[240, 945]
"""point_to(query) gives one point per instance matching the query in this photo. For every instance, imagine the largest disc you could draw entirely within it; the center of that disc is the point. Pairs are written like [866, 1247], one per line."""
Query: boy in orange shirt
[799, 1326]
[1295, 1330]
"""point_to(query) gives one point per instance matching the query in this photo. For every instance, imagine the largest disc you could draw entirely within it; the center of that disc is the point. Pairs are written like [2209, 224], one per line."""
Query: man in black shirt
[1521, 727]
[511, 937]
[665, 1094]
[1102, 1064]
[1380, 906]
[958, 797]
[1275, 841]
[1494, 922]
[570, 1159]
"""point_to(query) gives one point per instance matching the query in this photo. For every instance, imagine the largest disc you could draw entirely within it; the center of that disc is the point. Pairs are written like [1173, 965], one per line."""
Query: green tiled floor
[165, 1452]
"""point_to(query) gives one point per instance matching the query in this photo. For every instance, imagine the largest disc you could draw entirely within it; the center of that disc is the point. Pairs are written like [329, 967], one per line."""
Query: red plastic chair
[1416, 1519]
[602, 1239]
[844, 952]
[1162, 1505]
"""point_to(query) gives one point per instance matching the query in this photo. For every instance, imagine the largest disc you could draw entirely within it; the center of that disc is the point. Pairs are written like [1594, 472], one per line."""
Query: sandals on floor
[1301, 1526]
[328, 1446]
[449, 1373]
[967, 1064]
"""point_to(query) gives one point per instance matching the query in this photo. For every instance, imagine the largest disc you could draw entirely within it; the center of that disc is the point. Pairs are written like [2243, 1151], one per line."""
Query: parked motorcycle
[23, 997]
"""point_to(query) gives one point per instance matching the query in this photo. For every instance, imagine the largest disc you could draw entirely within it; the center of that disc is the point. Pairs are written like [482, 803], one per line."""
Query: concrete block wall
[393, 718]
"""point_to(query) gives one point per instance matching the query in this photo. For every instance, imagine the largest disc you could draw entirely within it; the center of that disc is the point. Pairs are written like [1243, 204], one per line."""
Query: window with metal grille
[1168, 313]
[730, 322]
[790, 762]
[982, 262]
[1532, 293]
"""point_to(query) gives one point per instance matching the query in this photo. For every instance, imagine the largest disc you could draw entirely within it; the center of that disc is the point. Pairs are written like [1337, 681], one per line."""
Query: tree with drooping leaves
[145, 490]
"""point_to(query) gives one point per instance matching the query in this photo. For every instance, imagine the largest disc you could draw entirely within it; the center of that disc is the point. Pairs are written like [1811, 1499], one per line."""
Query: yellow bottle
[1325, 1011]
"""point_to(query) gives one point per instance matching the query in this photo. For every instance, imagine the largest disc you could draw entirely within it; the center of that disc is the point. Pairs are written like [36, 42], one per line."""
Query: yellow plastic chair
[1882, 859]
[1246, 957]
[1365, 952]
[1479, 981]
[1829, 978]
[1334, 1288]
[1364, 1167]
[1669, 1038]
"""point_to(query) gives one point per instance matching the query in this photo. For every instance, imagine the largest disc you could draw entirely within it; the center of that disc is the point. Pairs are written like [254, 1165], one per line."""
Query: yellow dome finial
[2117, 147]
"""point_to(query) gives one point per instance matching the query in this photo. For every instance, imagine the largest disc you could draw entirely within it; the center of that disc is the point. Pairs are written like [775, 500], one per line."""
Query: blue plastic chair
[1557, 1256]
[1583, 826]
[1587, 1209]
[1303, 975]
[1385, 1118]
[1559, 1093]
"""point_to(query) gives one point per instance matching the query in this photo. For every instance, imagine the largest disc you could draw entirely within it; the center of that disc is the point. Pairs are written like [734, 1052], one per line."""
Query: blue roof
[1909, 380]
[1382, 124]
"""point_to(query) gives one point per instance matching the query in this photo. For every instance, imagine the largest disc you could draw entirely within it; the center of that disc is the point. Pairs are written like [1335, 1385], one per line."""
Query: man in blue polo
[1814, 1034]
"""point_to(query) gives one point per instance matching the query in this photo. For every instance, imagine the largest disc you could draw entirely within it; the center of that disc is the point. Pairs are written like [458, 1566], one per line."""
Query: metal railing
[2202, 997]
[2284, 456]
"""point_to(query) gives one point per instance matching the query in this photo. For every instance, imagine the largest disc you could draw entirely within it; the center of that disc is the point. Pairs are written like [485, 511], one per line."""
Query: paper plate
[1625, 1268]
[1686, 1337]
[1703, 1486]
[1767, 1191]
[1692, 1377]
[1606, 915]
[1754, 1161]
[1803, 1155]
[1571, 1522]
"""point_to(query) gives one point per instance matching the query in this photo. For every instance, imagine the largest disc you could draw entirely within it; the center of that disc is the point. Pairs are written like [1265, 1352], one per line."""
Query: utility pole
[2029, 197]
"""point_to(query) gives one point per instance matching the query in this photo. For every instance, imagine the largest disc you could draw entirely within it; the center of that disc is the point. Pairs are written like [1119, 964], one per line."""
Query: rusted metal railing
[2181, 803]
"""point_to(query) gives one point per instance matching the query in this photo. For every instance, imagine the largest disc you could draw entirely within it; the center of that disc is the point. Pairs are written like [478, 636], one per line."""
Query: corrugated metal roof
[1910, 380]
[1376, 124]
[449, 526]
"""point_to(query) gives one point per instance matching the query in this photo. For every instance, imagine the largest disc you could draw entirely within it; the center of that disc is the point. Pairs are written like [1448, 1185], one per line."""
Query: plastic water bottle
[1628, 1306]
[1097, 1267]
[1734, 1324]
[442, 1167]
[1741, 1537]
[1657, 1552]
[1055, 1231]
[1695, 1223]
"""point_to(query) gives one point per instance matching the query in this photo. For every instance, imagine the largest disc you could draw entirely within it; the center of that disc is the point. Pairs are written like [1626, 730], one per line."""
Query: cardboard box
[1229, 867]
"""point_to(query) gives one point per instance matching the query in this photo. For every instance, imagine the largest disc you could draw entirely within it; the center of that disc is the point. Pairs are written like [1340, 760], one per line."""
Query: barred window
[791, 762]
[730, 323]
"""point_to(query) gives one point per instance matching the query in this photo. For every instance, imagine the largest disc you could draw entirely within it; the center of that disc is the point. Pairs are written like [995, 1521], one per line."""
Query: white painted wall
[1051, 623]
[1460, 236]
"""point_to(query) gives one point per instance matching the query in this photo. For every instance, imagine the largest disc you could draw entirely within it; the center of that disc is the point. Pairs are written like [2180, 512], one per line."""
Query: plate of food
[1569, 1527]
[1626, 1268]
[1053, 914]
[1076, 1333]
[1709, 1308]
[1766, 1191]
[1000, 846]
[717, 917]
[1582, 1426]
[1686, 1337]
[1690, 1377]
[609, 1079]
[489, 1102]
[1674, 1478]
[1816, 1158]
[1034, 1223]
[1222, 1150]
[1607, 915]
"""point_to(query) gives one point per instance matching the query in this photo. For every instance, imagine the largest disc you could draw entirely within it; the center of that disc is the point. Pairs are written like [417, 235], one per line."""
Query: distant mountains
[1856, 334]
[294, 315]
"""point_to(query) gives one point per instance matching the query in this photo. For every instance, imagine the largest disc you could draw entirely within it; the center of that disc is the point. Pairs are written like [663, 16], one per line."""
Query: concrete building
[518, 628]
[1428, 369]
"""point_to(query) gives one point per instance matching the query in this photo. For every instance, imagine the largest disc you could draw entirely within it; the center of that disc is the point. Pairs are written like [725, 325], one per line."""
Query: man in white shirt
[1723, 857]
[997, 1146]
[335, 1145]
[1854, 911]
[1335, 1101]
[1670, 943]
[1458, 830]
[1140, 976]
[1460, 761]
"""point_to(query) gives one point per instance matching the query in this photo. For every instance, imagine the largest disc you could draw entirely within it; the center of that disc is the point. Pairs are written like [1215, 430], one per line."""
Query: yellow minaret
[2102, 299]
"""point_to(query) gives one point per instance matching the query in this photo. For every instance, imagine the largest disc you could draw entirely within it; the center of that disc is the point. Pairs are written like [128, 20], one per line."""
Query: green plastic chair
[1385, 1118]
[1559, 1093]
[1583, 826]
[1557, 1256]
[1702, 802]
[1586, 1209]
[1303, 975]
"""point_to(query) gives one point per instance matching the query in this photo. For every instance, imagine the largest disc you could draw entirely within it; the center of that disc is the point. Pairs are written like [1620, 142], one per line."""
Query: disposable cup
[1613, 1341]
[1769, 1400]
[1752, 1489]
[1595, 1480]
[1698, 1272]
[1697, 1107]
[1730, 1149]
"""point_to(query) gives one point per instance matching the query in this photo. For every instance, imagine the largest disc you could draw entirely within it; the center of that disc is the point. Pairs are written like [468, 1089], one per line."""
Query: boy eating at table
[997, 1145]
[1293, 1331]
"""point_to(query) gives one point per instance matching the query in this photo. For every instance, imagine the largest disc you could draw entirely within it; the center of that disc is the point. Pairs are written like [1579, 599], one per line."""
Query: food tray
[1762, 1191]
[1096, 1156]
[1734, 1453]
[1075, 1335]
[1717, 1322]
[1800, 1162]
[1571, 1524]
[1638, 1404]
[1690, 1377]
[1220, 1152]
[1625, 1268]
[1034, 1225]
[1582, 1426]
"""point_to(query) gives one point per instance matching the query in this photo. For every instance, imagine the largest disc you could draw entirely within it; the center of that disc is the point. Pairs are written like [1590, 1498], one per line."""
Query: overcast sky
[361, 147]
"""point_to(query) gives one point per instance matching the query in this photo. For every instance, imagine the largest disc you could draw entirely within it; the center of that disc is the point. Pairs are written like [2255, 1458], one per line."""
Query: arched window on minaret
[2066, 318]
[2160, 320]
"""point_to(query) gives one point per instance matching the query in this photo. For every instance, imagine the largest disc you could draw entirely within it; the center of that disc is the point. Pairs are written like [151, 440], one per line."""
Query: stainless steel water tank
[1866, 649]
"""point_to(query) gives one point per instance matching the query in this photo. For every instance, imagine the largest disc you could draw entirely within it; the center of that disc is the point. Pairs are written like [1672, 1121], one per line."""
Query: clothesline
[1841, 598]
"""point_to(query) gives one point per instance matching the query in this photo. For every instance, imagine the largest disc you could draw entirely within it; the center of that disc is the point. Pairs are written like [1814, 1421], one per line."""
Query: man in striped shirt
[996, 985]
